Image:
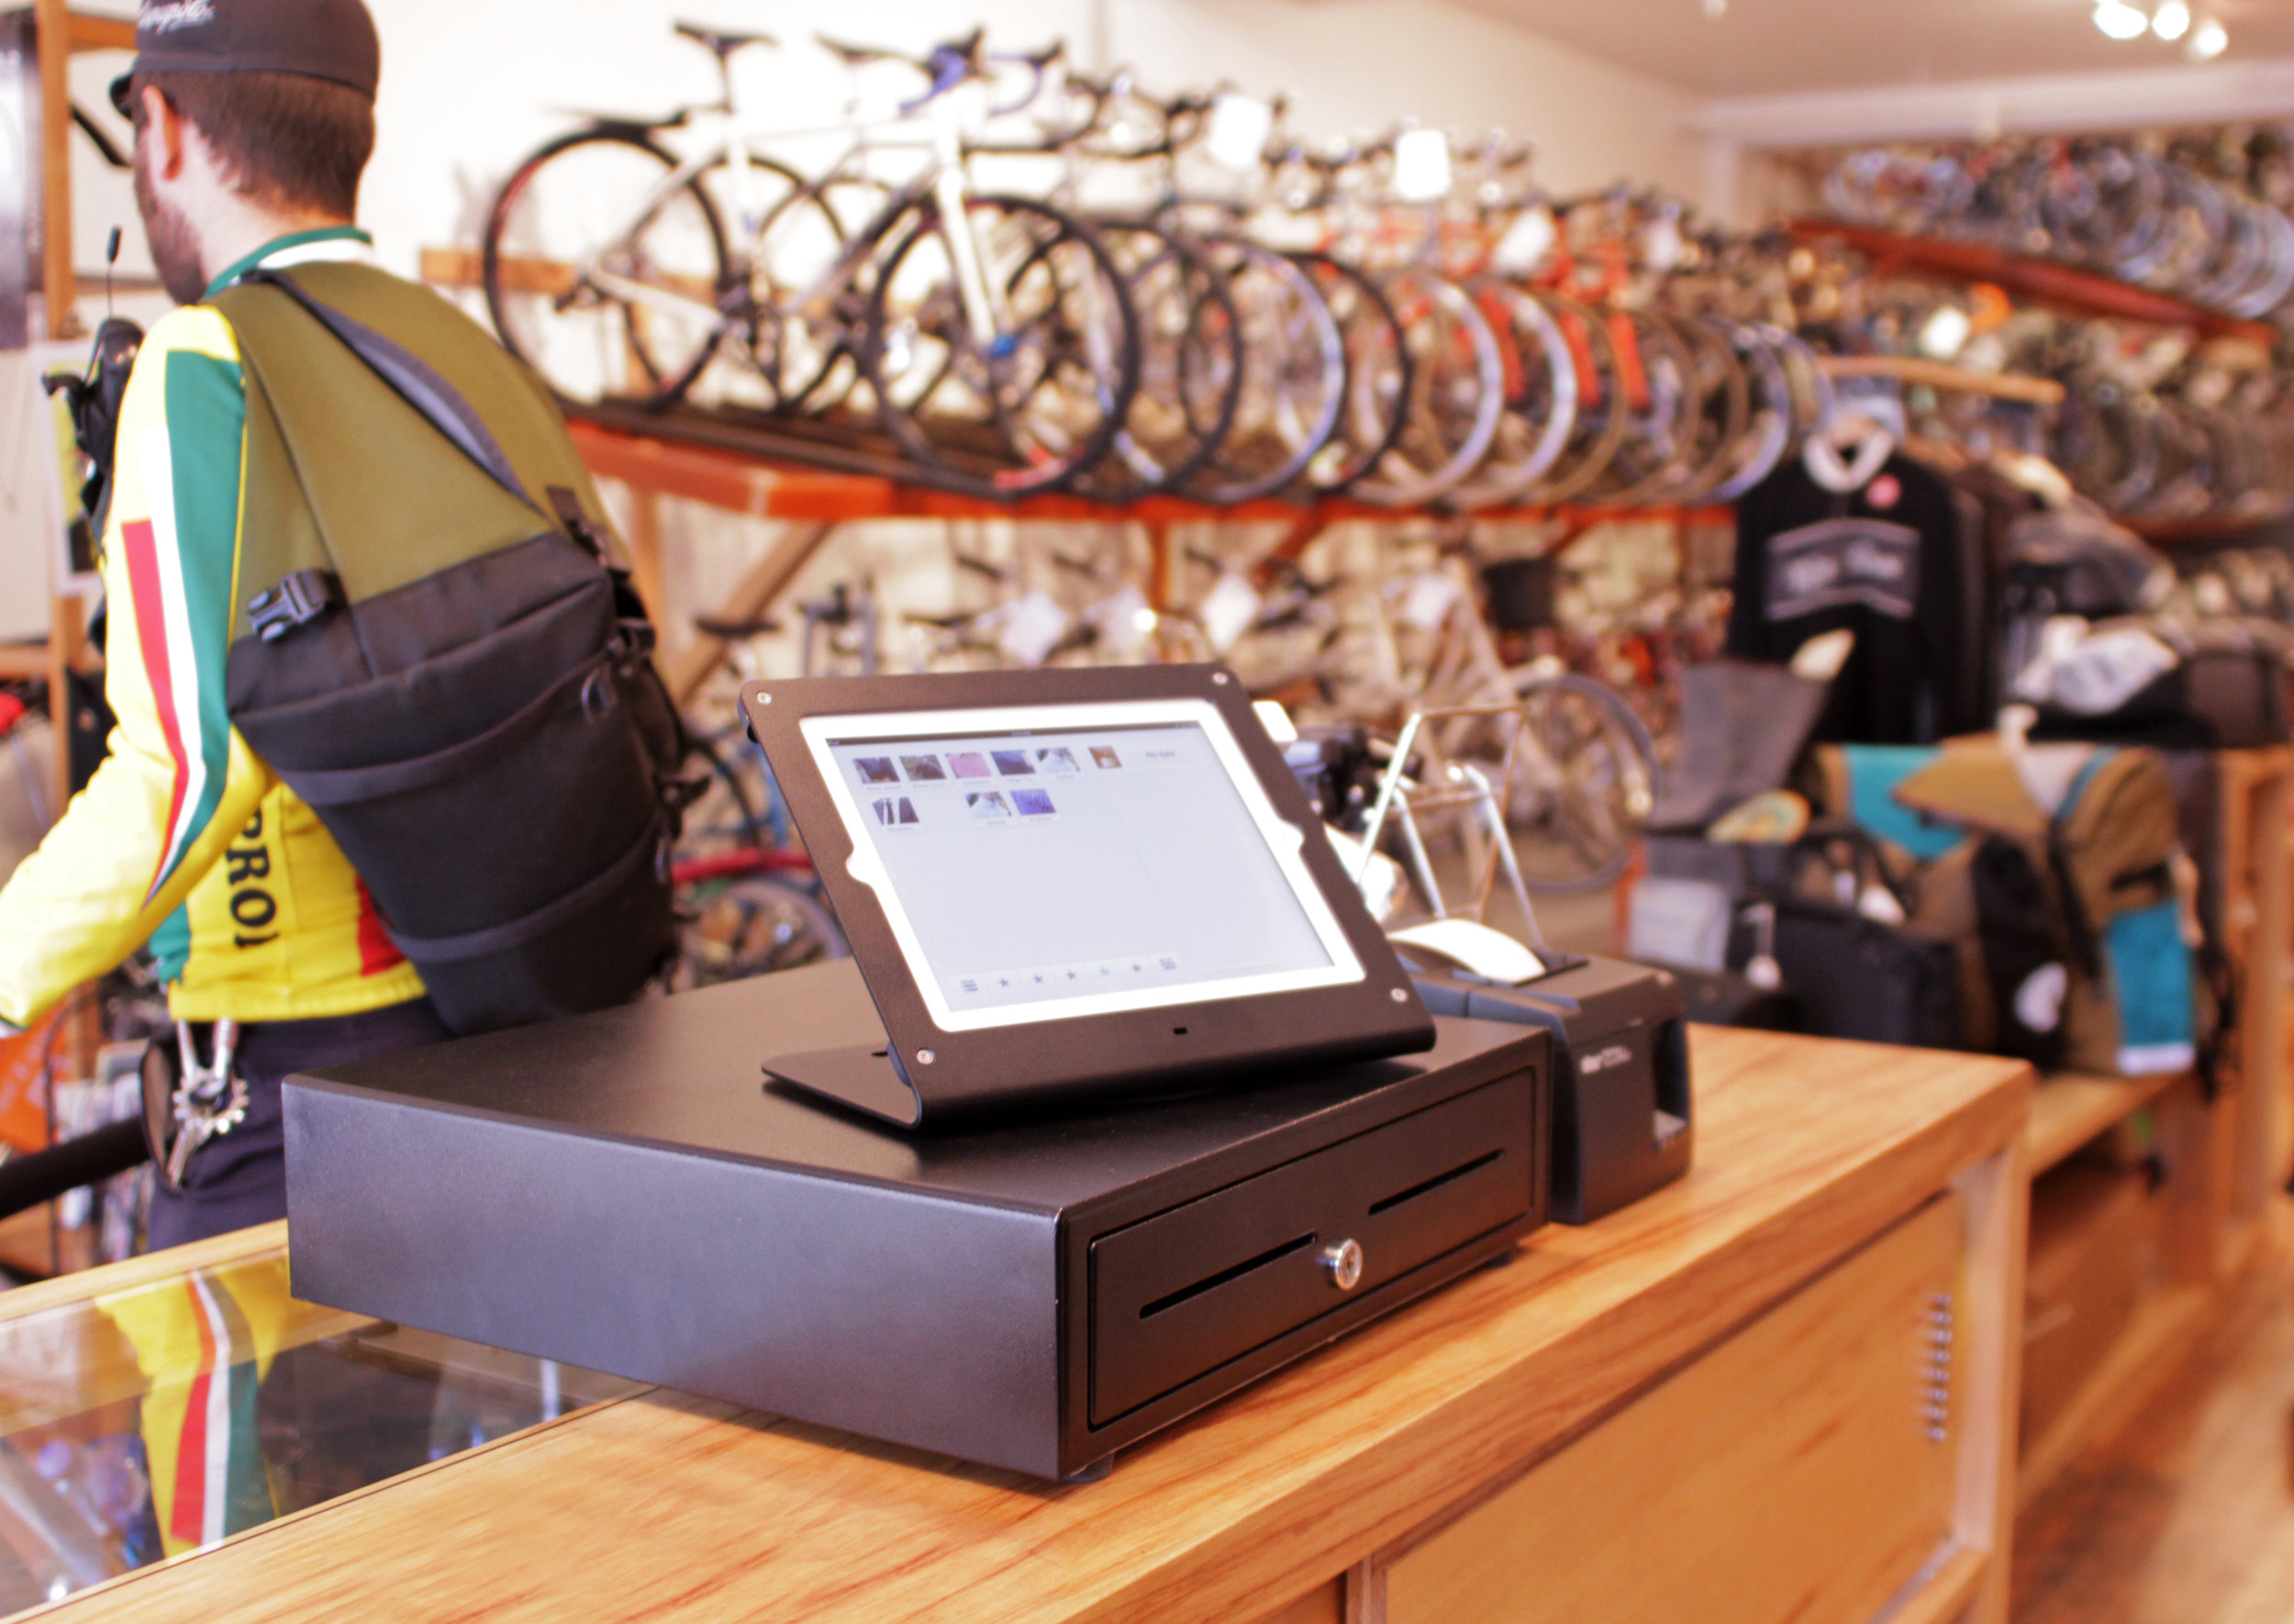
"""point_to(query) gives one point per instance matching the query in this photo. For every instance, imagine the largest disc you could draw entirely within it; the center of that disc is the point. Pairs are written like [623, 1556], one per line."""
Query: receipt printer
[1621, 1123]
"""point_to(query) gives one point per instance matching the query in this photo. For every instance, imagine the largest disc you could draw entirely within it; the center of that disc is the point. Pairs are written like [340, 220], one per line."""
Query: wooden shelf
[726, 463]
[2068, 288]
[2204, 532]
[2068, 1109]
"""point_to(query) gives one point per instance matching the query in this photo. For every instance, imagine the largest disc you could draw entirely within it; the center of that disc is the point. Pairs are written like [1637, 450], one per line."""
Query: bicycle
[993, 332]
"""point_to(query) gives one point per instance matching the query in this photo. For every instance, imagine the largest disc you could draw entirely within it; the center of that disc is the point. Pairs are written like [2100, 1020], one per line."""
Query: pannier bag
[439, 659]
[1856, 973]
[2095, 832]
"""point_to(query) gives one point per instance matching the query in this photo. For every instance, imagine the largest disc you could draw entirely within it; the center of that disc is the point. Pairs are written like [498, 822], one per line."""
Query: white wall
[470, 85]
[1362, 64]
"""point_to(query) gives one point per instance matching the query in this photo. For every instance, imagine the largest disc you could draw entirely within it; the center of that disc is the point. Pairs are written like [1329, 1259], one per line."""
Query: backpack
[435, 652]
[2112, 844]
[2099, 885]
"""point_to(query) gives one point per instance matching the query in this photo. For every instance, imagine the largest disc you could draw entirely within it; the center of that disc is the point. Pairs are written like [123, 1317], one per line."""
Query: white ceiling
[1767, 47]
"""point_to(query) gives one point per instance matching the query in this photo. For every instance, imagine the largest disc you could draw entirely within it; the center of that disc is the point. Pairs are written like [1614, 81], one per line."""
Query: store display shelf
[2068, 288]
[2212, 532]
[2163, 1328]
[2069, 1109]
[748, 464]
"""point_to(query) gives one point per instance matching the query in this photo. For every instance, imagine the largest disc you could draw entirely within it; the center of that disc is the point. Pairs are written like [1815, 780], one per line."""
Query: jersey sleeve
[178, 782]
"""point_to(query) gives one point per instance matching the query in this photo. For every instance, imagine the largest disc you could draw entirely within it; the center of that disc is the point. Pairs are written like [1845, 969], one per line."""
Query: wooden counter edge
[1484, 1437]
[238, 1247]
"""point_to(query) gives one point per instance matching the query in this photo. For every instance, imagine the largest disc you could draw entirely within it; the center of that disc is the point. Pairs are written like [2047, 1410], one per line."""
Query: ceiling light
[2120, 20]
[2171, 20]
[2208, 41]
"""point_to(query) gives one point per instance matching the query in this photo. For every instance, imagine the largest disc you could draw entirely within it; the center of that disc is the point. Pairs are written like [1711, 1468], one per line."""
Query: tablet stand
[866, 1078]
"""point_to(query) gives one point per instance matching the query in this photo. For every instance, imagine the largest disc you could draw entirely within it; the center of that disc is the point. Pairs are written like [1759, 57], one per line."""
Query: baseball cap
[331, 39]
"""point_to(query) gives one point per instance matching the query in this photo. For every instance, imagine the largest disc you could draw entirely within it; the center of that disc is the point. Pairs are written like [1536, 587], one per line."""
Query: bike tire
[993, 455]
[1617, 759]
[800, 386]
[751, 925]
[1541, 397]
[1377, 348]
[502, 272]
[1294, 365]
[1457, 393]
[1190, 365]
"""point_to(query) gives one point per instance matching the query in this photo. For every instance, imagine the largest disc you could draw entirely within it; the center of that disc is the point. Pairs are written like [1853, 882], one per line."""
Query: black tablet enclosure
[979, 801]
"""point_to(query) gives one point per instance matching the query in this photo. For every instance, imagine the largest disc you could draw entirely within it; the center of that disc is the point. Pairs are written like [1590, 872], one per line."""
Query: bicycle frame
[942, 180]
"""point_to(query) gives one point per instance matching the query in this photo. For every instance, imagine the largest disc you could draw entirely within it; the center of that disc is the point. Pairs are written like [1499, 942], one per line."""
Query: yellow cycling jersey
[184, 837]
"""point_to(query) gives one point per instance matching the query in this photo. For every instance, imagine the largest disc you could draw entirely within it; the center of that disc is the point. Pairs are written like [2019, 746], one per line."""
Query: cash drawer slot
[1150, 1310]
[1177, 1295]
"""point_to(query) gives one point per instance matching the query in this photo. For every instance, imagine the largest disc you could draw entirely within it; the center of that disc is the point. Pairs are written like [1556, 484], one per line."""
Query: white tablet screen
[1052, 870]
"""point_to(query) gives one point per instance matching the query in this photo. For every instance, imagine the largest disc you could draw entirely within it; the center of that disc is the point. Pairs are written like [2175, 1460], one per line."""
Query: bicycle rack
[1402, 798]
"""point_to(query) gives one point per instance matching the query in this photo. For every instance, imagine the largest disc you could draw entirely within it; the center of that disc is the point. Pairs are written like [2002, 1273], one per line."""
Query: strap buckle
[297, 600]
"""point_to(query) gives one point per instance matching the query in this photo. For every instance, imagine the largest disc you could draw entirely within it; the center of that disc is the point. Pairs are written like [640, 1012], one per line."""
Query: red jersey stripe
[143, 580]
[378, 953]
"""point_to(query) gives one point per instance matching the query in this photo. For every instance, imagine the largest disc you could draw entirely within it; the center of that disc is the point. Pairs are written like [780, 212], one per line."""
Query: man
[254, 120]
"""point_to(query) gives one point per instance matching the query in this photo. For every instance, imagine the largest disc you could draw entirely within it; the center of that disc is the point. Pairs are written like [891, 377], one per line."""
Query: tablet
[1070, 883]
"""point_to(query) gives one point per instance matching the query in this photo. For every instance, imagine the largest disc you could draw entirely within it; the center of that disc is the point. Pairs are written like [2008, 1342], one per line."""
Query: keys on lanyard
[210, 1101]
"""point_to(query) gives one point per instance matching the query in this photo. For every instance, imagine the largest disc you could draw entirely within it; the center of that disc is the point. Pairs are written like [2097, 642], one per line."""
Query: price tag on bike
[1421, 165]
[1240, 126]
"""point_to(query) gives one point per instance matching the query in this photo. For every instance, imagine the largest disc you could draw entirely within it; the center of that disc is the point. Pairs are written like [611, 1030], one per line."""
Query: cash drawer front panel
[1176, 1294]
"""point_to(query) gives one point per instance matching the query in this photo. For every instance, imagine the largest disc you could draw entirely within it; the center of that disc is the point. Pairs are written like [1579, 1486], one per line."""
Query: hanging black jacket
[1896, 563]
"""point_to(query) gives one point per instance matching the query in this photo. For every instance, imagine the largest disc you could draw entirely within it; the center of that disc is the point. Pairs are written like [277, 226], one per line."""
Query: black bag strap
[415, 382]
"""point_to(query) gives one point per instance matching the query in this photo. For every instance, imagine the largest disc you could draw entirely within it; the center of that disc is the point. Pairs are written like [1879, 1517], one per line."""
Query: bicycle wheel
[1042, 398]
[1190, 364]
[604, 275]
[1604, 410]
[800, 356]
[1457, 392]
[1541, 398]
[1584, 779]
[1294, 374]
[1771, 430]
[745, 925]
[1664, 416]
[1723, 415]
[1378, 373]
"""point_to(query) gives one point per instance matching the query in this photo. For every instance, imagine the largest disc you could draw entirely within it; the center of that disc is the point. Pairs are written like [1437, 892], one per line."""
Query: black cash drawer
[1177, 1295]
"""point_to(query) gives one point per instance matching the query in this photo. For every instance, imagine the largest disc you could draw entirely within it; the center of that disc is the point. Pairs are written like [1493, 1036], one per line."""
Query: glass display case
[144, 1414]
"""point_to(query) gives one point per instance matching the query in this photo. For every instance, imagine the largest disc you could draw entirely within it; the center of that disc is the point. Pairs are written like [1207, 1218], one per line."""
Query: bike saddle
[856, 55]
[1039, 59]
[731, 630]
[721, 42]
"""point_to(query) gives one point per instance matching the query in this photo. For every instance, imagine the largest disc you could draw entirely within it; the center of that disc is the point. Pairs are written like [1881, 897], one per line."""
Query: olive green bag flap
[460, 687]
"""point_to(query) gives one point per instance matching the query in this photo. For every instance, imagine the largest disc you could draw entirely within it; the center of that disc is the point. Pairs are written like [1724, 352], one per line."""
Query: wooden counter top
[665, 1507]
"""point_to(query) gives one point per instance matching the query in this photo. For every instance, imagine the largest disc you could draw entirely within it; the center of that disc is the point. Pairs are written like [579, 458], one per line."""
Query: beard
[174, 245]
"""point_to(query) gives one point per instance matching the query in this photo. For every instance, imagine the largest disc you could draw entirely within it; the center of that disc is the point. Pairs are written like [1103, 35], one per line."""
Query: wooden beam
[464, 267]
[57, 284]
[698, 661]
[2065, 288]
[87, 32]
[1940, 374]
